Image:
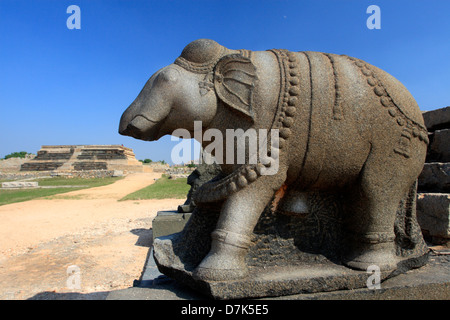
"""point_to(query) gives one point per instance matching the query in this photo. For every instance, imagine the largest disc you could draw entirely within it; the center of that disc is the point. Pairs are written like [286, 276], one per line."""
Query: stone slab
[168, 222]
[433, 213]
[435, 177]
[276, 281]
[439, 147]
[431, 282]
[20, 184]
[437, 119]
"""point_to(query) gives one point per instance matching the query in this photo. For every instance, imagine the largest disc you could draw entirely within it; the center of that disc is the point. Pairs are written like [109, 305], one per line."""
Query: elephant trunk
[143, 122]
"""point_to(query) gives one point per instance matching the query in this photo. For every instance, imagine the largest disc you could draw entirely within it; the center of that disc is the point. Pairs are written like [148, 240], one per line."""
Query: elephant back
[394, 99]
[357, 89]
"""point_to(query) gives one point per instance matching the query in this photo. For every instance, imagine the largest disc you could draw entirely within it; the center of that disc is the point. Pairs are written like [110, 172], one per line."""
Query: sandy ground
[108, 241]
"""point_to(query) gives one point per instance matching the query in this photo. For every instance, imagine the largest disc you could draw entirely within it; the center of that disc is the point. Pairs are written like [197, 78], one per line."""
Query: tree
[147, 161]
[20, 154]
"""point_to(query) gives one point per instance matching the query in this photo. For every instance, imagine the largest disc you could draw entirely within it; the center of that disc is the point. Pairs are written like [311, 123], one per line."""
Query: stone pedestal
[168, 222]
[288, 255]
[430, 282]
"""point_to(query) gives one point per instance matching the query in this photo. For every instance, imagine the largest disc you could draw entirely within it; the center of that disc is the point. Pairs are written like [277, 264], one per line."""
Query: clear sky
[61, 86]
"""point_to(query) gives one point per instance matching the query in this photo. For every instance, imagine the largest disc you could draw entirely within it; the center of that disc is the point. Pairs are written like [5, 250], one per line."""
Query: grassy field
[12, 196]
[163, 188]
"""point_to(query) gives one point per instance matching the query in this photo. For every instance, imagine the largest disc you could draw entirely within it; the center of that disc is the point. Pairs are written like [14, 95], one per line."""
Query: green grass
[13, 196]
[163, 188]
[94, 182]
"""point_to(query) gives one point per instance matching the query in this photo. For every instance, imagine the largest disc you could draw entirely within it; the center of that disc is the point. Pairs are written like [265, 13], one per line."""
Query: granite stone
[435, 177]
[437, 119]
[434, 214]
[439, 148]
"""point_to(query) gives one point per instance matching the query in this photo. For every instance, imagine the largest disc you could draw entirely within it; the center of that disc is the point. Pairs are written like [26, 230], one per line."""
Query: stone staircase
[433, 202]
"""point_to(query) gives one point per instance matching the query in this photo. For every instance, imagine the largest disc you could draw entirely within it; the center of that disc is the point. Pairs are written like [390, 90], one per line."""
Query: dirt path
[107, 240]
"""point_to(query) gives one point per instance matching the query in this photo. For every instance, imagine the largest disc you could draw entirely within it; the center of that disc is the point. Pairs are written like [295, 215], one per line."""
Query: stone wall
[89, 165]
[20, 176]
[13, 164]
[23, 175]
[158, 166]
[433, 201]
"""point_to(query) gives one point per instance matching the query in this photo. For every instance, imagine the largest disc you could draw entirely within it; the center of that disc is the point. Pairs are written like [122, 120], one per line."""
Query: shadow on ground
[70, 296]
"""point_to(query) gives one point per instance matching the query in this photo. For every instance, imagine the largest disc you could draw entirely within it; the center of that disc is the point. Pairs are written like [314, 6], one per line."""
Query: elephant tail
[408, 235]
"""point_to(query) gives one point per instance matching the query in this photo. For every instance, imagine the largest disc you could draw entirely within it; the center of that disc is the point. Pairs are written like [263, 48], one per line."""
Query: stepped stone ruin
[66, 158]
[433, 202]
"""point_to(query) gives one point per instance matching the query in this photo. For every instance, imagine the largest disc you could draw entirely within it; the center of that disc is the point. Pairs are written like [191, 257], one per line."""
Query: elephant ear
[234, 81]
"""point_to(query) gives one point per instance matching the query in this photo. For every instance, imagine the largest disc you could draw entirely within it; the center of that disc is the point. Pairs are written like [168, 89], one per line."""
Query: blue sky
[61, 86]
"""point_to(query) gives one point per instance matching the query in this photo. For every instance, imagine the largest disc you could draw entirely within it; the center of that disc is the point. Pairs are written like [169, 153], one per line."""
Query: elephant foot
[226, 259]
[366, 255]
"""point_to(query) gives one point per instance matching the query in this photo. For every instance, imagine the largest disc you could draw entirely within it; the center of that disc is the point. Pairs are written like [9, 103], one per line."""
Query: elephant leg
[232, 237]
[371, 208]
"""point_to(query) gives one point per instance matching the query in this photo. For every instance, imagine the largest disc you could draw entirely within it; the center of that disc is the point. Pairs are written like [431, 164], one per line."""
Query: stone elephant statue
[344, 126]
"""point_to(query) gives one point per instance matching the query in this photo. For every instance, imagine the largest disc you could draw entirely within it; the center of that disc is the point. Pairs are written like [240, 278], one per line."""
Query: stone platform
[431, 282]
[67, 158]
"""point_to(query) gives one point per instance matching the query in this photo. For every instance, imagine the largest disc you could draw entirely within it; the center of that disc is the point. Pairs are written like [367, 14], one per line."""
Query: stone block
[437, 119]
[20, 184]
[433, 214]
[169, 222]
[439, 147]
[117, 173]
[435, 177]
